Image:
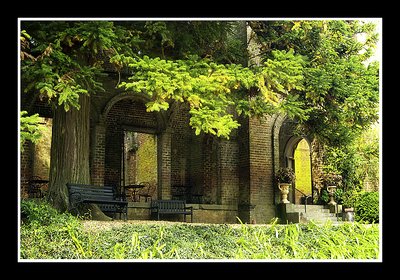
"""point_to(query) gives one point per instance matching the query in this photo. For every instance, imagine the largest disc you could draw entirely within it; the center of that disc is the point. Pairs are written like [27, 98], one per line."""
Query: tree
[63, 65]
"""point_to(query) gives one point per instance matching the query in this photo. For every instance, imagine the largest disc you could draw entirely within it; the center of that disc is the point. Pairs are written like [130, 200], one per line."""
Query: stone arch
[290, 148]
[127, 112]
[286, 141]
[141, 97]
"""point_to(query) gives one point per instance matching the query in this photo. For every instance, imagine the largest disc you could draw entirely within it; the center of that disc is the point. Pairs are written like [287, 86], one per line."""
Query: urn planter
[331, 192]
[284, 189]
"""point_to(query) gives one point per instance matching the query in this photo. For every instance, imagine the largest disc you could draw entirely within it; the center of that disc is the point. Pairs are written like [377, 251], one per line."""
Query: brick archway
[288, 140]
[161, 117]
[127, 111]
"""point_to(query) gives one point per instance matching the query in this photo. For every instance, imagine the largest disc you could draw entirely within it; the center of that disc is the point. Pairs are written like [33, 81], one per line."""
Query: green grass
[66, 237]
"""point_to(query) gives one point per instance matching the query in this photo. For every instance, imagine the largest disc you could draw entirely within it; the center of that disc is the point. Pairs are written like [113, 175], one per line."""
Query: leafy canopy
[339, 87]
[313, 71]
[193, 62]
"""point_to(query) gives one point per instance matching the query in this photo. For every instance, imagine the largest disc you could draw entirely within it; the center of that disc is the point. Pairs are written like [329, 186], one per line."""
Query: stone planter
[348, 214]
[331, 192]
[284, 189]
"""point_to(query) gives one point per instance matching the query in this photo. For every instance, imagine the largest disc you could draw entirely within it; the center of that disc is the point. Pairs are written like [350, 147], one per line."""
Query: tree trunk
[69, 161]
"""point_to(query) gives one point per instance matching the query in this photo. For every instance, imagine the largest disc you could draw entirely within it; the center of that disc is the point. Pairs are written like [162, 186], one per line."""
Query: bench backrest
[82, 191]
[169, 205]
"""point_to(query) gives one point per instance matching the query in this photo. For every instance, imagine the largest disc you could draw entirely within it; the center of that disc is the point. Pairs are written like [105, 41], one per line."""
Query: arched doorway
[302, 168]
[298, 157]
[132, 143]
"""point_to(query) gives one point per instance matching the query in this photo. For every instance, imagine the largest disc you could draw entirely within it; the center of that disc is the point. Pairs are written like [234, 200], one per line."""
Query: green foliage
[357, 162]
[37, 212]
[63, 60]
[367, 207]
[30, 128]
[312, 68]
[285, 175]
[64, 237]
[366, 157]
[46, 232]
[147, 159]
[339, 88]
[214, 90]
[337, 195]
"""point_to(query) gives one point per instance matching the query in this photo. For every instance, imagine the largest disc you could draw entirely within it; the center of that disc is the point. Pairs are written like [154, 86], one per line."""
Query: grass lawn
[157, 240]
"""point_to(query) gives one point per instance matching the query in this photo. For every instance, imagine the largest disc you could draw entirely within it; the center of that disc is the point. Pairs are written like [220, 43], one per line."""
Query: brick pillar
[261, 201]
[164, 164]
[228, 171]
[244, 171]
[98, 145]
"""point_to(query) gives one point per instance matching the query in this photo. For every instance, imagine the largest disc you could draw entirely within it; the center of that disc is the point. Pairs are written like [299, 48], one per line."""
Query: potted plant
[285, 177]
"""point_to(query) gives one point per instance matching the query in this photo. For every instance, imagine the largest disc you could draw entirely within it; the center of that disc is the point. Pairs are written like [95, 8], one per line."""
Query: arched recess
[126, 113]
[142, 97]
[285, 139]
[297, 195]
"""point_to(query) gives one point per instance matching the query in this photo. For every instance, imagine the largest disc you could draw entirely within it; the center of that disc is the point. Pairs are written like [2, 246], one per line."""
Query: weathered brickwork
[26, 167]
[164, 162]
[261, 169]
[180, 144]
[229, 158]
[208, 170]
[97, 155]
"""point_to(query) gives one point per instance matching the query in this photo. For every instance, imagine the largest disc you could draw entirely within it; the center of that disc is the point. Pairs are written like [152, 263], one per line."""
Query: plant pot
[284, 189]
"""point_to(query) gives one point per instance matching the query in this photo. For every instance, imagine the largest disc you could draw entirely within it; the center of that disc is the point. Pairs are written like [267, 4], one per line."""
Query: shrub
[367, 207]
[39, 212]
[338, 196]
[47, 233]
[285, 175]
[350, 197]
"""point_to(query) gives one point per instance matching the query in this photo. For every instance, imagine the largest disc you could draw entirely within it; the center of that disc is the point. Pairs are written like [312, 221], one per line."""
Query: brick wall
[26, 168]
[229, 176]
[209, 170]
[180, 144]
[97, 155]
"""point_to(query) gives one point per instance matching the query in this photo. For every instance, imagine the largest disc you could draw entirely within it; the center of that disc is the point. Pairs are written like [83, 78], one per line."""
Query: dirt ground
[91, 225]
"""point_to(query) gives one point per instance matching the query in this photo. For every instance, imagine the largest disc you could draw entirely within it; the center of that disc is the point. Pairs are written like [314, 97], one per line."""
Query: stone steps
[318, 213]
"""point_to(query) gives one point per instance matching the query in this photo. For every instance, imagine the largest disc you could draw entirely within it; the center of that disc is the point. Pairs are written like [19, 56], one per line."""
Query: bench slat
[171, 207]
[104, 196]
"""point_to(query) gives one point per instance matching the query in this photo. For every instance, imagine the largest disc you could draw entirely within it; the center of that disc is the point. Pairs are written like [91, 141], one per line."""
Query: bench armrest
[75, 198]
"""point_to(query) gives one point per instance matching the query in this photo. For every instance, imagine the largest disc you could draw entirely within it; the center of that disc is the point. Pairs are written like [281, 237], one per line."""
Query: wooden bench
[104, 196]
[171, 207]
